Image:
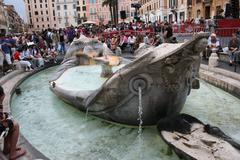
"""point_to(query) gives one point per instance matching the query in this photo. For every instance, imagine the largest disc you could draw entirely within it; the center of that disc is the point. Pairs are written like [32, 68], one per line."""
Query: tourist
[146, 39]
[24, 63]
[131, 42]
[168, 33]
[1, 61]
[213, 44]
[114, 43]
[6, 44]
[62, 49]
[233, 47]
[11, 129]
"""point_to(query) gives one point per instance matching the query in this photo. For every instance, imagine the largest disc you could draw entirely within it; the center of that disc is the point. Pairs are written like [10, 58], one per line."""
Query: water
[61, 132]
[140, 112]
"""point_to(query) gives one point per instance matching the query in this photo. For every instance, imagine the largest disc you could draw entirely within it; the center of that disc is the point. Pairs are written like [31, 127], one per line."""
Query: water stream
[140, 130]
[62, 132]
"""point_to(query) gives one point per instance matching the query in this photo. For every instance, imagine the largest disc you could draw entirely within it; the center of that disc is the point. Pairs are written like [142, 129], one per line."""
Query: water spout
[86, 115]
[140, 112]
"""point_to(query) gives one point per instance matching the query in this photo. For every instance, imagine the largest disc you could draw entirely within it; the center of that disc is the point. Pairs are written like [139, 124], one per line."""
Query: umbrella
[89, 22]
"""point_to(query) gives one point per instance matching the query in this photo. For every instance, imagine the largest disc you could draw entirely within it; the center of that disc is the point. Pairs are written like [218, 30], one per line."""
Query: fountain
[62, 132]
[165, 75]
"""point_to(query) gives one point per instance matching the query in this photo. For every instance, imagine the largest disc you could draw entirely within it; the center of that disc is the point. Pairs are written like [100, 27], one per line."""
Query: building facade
[81, 11]
[66, 13]
[207, 8]
[181, 10]
[3, 20]
[15, 23]
[101, 14]
[159, 10]
[41, 14]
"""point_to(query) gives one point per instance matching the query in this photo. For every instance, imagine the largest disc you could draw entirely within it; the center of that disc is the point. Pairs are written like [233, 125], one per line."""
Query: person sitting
[8, 124]
[24, 63]
[233, 48]
[114, 43]
[131, 42]
[213, 44]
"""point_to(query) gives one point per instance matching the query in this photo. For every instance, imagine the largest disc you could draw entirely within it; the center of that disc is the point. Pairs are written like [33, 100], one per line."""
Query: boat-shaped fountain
[164, 74]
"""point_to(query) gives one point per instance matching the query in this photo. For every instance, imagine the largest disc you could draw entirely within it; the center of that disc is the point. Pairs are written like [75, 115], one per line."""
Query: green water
[63, 133]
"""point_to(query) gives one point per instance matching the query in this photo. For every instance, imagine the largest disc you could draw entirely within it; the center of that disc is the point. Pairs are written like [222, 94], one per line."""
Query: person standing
[62, 41]
[168, 33]
[6, 48]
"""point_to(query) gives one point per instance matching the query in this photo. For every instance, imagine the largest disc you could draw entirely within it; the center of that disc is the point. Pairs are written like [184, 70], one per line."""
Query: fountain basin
[62, 132]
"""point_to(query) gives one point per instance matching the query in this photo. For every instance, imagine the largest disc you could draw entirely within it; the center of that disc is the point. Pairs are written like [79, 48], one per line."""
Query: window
[48, 25]
[198, 13]
[47, 19]
[37, 26]
[40, 1]
[83, 2]
[36, 12]
[46, 5]
[53, 12]
[41, 12]
[65, 7]
[53, 5]
[40, 5]
[58, 7]
[35, 6]
[46, 12]
[34, 1]
[43, 26]
[84, 8]
[30, 15]
[78, 8]
[55, 25]
[77, 2]
[29, 8]
[42, 19]
[74, 6]
[53, 0]
[37, 19]
[54, 18]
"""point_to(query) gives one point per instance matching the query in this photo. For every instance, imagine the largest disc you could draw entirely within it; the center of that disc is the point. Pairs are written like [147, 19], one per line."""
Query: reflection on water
[62, 133]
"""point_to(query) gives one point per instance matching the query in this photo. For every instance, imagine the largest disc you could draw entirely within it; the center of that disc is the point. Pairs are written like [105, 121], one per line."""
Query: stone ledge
[220, 71]
[224, 82]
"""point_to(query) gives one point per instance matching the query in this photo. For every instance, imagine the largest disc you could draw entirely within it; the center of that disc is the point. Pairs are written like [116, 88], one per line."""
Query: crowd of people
[233, 48]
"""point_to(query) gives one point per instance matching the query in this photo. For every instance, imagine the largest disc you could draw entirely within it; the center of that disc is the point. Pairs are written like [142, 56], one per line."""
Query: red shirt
[17, 55]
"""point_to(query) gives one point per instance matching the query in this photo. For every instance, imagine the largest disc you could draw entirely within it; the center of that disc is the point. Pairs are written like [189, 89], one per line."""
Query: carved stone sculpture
[165, 75]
